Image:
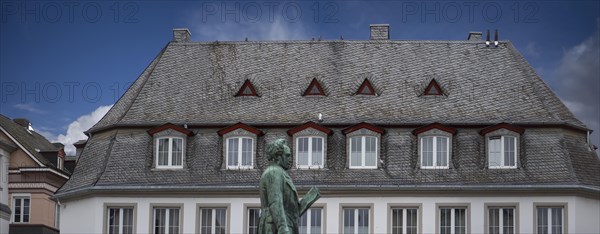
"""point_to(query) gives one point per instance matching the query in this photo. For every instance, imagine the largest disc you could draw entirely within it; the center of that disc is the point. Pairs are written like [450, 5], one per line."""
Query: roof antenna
[496, 38]
[320, 117]
[246, 39]
[319, 37]
[341, 37]
[487, 38]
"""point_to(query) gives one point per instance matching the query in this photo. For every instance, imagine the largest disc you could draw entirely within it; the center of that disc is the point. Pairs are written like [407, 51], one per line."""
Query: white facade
[4, 218]
[580, 214]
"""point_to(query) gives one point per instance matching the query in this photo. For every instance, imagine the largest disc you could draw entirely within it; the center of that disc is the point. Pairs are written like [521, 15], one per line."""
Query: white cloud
[29, 107]
[532, 50]
[578, 75]
[76, 128]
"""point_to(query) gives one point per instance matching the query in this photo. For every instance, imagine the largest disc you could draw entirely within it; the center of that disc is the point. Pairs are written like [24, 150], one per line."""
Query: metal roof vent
[380, 31]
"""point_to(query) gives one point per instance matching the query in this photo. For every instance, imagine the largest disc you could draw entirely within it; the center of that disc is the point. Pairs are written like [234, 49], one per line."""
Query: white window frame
[550, 218]
[120, 208]
[404, 218]
[452, 219]
[247, 219]
[170, 153]
[434, 149]
[501, 218]
[213, 221]
[167, 217]
[308, 215]
[21, 196]
[310, 152]
[240, 153]
[369, 220]
[363, 153]
[59, 162]
[502, 142]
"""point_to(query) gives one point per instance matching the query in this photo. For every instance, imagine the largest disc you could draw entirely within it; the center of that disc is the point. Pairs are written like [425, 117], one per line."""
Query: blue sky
[62, 63]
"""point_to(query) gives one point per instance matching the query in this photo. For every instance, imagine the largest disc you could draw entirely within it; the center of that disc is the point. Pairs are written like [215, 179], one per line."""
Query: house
[32, 171]
[400, 136]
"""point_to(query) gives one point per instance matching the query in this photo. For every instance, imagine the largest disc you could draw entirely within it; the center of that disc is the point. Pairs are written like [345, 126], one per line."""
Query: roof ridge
[145, 75]
[107, 158]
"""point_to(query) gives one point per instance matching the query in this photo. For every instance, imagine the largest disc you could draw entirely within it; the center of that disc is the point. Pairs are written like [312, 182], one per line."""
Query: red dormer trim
[247, 85]
[439, 126]
[170, 126]
[314, 84]
[363, 125]
[366, 88]
[309, 124]
[242, 126]
[506, 126]
[433, 84]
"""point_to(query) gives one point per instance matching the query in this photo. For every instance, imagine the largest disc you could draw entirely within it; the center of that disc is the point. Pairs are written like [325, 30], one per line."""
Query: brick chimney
[475, 36]
[380, 31]
[181, 35]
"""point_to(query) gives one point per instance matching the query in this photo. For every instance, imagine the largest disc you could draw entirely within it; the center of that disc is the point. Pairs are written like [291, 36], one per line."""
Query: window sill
[433, 168]
[239, 168]
[502, 167]
[359, 168]
[309, 168]
[168, 169]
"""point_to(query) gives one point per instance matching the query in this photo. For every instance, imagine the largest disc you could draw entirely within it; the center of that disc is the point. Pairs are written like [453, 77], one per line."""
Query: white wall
[85, 216]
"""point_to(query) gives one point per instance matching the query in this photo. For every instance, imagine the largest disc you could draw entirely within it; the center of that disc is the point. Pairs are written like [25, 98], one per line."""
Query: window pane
[206, 220]
[397, 221]
[113, 221]
[163, 152]
[349, 221]
[159, 221]
[494, 221]
[247, 152]
[317, 151]
[173, 221]
[445, 221]
[411, 221]
[460, 221]
[25, 210]
[303, 223]
[232, 152]
[495, 159]
[508, 220]
[557, 220]
[509, 151]
[177, 153]
[356, 151]
[427, 151]
[363, 221]
[17, 210]
[303, 151]
[253, 219]
[542, 220]
[315, 221]
[442, 151]
[371, 151]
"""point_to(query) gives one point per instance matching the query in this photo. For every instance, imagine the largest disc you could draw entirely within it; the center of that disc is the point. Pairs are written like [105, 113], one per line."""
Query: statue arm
[275, 185]
[311, 197]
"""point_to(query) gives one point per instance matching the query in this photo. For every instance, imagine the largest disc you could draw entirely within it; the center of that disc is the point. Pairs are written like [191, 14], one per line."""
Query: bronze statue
[280, 208]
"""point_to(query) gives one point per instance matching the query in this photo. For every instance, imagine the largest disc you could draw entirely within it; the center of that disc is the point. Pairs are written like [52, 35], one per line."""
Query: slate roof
[34, 143]
[195, 83]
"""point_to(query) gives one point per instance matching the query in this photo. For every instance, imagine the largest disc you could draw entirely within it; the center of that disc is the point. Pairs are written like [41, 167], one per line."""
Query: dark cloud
[578, 76]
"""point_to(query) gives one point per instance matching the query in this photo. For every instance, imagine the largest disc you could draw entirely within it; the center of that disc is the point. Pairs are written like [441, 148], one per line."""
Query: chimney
[475, 36]
[79, 145]
[23, 122]
[181, 35]
[380, 31]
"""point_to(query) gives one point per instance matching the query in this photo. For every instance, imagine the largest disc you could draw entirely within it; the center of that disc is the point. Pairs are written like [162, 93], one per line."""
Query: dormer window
[363, 145]
[310, 145]
[366, 88]
[434, 145]
[502, 143]
[169, 146]
[239, 146]
[314, 89]
[433, 89]
[247, 89]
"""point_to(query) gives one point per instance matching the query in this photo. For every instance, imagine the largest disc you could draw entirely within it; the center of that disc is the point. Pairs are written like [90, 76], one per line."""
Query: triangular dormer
[314, 89]
[366, 88]
[433, 89]
[247, 89]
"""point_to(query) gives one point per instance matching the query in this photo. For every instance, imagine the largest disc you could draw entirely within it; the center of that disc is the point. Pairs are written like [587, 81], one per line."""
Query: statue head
[279, 153]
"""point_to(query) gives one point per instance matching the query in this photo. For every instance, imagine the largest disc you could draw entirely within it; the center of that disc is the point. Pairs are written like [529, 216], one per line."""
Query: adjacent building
[32, 171]
[400, 136]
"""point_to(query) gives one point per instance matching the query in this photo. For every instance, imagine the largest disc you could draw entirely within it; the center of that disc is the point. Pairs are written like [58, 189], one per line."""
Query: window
[502, 151]
[120, 220]
[59, 163]
[435, 151]
[21, 208]
[501, 220]
[239, 152]
[550, 220]
[169, 152]
[311, 222]
[56, 215]
[356, 220]
[363, 152]
[309, 152]
[453, 220]
[404, 221]
[253, 220]
[213, 220]
[166, 221]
